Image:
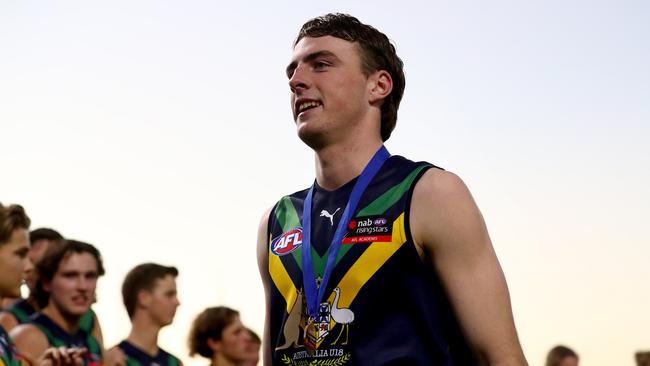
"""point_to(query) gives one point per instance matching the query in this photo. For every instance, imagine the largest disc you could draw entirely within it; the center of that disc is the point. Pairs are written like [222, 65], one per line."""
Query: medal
[314, 296]
[311, 336]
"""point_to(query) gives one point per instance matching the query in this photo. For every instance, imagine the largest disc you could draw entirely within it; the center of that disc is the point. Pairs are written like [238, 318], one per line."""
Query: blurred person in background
[150, 298]
[252, 349]
[65, 289]
[562, 356]
[19, 310]
[642, 358]
[14, 265]
[219, 335]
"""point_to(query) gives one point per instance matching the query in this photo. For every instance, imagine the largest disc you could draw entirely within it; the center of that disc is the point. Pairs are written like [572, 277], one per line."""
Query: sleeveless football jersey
[137, 357]
[383, 305]
[22, 310]
[7, 355]
[57, 337]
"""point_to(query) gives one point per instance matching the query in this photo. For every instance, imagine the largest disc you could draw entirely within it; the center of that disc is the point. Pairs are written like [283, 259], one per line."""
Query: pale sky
[161, 130]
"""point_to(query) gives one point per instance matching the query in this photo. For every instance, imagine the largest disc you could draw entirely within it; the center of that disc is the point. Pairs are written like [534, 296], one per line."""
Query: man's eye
[320, 65]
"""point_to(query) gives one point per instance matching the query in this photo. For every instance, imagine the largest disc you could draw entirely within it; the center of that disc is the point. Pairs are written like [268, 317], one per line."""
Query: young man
[390, 262]
[218, 335]
[562, 356]
[65, 289]
[150, 298]
[39, 240]
[14, 264]
[21, 309]
[252, 349]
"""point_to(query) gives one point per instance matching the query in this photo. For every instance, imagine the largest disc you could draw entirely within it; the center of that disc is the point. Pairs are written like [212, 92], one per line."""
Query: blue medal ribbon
[315, 296]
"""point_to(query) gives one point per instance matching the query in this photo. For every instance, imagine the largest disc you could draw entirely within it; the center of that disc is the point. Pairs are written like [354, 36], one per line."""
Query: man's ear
[144, 298]
[381, 84]
[45, 283]
[214, 345]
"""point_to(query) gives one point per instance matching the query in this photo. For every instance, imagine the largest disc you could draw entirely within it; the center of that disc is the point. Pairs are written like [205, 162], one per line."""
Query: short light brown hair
[642, 358]
[209, 325]
[559, 353]
[142, 277]
[12, 217]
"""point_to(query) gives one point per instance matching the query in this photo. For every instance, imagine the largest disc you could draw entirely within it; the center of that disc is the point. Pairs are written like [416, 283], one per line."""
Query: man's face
[14, 263]
[36, 252]
[72, 289]
[234, 341]
[162, 300]
[329, 91]
[569, 361]
[252, 352]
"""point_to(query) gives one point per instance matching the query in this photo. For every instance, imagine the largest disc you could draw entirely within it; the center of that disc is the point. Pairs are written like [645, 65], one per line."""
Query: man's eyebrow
[309, 58]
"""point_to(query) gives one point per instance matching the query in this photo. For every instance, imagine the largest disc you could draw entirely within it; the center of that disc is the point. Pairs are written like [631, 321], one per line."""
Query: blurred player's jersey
[57, 337]
[137, 357]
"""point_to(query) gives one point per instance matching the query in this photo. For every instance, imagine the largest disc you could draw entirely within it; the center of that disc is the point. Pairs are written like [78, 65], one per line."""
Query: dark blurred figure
[150, 297]
[17, 310]
[65, 290]
[252, 349]
[562, 356]
[218, 335]
[642, 358]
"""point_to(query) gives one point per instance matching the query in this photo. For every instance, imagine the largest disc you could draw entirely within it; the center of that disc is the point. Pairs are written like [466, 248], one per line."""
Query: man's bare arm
[449, 228]
[7, 320]
[29, 341]
[263, 264]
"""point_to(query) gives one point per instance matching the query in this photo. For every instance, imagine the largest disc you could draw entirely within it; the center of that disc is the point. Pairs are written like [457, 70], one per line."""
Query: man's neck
[69, 323]
[144, 335]
[219, 360]
[339, 164]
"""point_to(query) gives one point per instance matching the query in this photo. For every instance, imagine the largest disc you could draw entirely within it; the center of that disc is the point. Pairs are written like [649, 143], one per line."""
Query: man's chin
[78, 311]
[311, 138]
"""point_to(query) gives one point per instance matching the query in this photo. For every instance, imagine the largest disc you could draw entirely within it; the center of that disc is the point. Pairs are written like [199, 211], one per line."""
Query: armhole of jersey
[93, 345]
[132, 362]
[173, 361]
[409, 197]
[51, 340]
[19, 315]
[269, 223]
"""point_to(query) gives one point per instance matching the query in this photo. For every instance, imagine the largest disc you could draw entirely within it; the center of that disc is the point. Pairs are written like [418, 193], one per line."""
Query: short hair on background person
[12, 217]
[44, 233]
[47, 266]
[142, 277]
[254, 337]
[377, 53]
[559, 353]
[642, 358]
[209, 324]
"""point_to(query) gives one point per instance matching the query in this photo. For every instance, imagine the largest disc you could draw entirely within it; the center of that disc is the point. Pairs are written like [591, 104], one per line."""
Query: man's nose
[28, 266]
[84, 283]
[299, 79]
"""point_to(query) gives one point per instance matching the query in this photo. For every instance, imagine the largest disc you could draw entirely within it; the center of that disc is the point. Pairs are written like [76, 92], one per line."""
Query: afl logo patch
[287, 242]
[380, 221]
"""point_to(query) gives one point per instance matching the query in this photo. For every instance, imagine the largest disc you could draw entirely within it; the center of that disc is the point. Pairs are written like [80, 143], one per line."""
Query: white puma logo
[328, 215]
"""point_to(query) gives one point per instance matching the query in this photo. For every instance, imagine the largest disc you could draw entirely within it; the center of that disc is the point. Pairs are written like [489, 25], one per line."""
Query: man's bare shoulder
[25, 331]
[442, 205]
[262, 242]
[438, 186]
[7, 320]
[29, 340]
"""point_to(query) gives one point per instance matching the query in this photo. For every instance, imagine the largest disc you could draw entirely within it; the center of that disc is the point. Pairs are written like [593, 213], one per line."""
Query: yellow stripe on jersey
[368, 264]
[281, 279]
